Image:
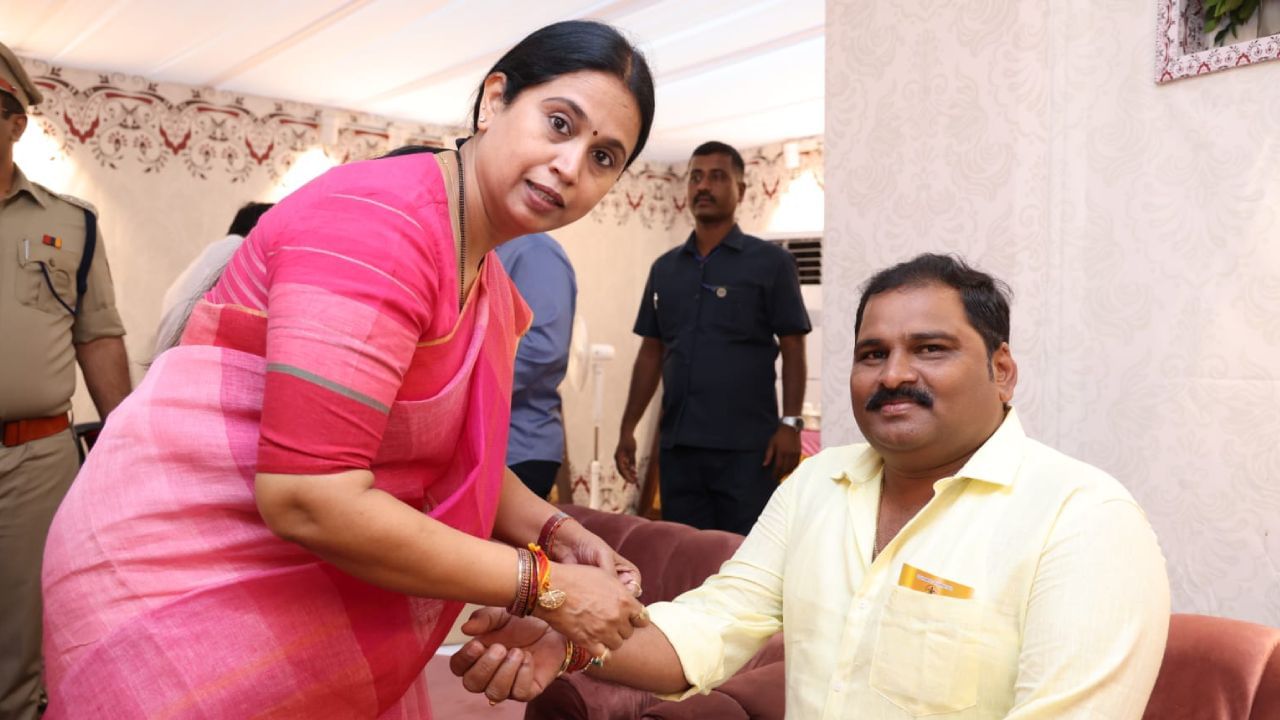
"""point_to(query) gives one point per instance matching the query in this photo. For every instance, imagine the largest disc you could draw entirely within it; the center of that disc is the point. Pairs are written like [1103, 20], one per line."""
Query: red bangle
[577, 658]
[549, 528]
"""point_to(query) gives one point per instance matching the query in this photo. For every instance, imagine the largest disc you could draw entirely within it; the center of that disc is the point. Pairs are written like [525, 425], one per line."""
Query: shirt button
[863, 605]
[837, 687]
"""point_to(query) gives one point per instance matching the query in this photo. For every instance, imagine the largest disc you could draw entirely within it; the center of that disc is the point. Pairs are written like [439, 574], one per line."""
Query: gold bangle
[568, 658]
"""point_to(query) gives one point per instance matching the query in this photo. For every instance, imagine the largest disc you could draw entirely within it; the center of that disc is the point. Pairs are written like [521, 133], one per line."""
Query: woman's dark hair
[411, 150]
[986, 299]
[572, 46]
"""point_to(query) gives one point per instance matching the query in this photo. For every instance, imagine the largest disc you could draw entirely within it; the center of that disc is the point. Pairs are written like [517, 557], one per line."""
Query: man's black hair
[986, 299]
[715, 147]
[247, 217]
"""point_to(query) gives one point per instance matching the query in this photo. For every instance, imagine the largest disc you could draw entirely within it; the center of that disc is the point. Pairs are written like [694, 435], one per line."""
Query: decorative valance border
[129, 123]
[124, 121]
[655, 194]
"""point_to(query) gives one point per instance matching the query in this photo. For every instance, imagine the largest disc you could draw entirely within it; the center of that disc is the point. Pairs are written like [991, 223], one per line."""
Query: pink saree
[166, 596]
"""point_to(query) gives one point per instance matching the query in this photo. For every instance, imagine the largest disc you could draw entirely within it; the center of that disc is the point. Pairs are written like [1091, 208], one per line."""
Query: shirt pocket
[732, 309]
[927, 652]
[35, 261]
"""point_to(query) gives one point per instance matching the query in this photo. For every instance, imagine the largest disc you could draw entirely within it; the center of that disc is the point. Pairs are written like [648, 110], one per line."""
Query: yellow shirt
[1067, 615]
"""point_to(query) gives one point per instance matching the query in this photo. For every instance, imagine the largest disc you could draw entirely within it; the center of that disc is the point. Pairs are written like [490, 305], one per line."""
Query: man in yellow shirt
[949, 567]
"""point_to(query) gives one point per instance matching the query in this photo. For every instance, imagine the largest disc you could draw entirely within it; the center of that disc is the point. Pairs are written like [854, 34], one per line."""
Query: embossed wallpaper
[1138, 225]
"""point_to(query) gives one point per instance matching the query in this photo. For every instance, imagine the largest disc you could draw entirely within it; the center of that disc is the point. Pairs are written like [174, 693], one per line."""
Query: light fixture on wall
[306, 167]
[328, 129]
[791, 154]
[801, 207]
[41, 157]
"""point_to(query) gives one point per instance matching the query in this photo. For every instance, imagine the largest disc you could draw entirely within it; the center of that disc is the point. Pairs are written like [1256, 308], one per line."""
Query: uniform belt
[17, 432]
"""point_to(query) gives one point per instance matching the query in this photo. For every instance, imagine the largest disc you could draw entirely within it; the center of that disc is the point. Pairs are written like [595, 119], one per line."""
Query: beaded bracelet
[549, 529]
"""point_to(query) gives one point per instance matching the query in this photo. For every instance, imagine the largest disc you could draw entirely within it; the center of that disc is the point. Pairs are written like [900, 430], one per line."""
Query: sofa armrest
[1215, 669]
[579, 697]
[699, 707]
[1266, 704]
[761, 692]
[672, 558]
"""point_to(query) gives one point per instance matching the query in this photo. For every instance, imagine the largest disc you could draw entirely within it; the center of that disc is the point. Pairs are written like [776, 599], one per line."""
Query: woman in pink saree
[286, 516]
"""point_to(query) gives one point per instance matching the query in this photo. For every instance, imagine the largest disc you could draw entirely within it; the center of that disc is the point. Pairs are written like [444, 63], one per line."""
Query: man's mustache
[884, 395]
[703, 196]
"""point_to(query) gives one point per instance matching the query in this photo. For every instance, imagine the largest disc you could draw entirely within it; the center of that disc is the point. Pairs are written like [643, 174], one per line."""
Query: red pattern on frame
[1179, 27]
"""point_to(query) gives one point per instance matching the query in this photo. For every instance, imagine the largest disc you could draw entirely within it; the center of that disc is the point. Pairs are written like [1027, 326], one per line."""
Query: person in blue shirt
[544, 276]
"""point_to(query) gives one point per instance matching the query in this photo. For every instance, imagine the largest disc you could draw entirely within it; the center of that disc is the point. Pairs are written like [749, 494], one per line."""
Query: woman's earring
[480, 119]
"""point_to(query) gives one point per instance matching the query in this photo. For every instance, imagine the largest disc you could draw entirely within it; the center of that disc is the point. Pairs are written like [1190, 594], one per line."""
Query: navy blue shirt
[718, 318]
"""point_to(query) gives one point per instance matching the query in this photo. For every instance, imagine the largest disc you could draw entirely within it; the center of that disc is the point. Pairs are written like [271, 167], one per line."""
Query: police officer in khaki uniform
[52, 314]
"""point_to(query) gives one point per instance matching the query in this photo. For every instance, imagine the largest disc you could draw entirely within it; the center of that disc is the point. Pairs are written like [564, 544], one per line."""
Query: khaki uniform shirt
[37, 334]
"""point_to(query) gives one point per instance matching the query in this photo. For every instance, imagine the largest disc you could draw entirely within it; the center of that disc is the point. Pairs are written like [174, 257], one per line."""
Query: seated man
[950, 566]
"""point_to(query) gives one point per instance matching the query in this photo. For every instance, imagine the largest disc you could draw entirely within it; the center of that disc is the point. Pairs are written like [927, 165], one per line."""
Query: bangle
[547, 596]
[576, 658]
[568, 658]
[526, 584]
[549, 528]
[522, 583]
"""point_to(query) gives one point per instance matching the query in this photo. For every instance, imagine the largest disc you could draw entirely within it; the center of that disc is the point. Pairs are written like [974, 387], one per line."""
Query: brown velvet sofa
[1214, 668]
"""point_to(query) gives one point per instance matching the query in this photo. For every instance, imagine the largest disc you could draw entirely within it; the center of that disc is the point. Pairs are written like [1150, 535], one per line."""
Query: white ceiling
[748, 72]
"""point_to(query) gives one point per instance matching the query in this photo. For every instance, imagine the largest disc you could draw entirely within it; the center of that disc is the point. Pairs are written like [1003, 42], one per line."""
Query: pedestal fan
[589, 359]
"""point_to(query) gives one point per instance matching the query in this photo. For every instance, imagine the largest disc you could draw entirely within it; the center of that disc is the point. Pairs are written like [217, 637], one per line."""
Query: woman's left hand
[576, 545]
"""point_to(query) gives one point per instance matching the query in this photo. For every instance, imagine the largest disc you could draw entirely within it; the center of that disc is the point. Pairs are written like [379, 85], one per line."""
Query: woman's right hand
[598, 613]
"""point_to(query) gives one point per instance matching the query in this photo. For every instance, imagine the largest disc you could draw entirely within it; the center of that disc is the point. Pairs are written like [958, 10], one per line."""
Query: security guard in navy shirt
[715, 313]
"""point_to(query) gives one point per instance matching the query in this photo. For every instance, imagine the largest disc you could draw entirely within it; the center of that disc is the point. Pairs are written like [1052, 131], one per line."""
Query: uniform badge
[51, 241]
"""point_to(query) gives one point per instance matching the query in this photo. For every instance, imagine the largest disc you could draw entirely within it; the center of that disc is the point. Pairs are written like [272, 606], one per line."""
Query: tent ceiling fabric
[746, 72]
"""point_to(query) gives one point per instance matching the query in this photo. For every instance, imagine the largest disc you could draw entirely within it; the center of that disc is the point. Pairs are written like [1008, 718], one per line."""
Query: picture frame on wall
[1184, 49]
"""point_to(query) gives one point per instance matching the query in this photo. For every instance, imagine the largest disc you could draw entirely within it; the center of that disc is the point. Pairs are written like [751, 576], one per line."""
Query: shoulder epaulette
[78, 202]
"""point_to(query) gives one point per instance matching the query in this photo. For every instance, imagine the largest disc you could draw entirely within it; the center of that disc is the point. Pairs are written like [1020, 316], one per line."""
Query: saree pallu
[166, 596]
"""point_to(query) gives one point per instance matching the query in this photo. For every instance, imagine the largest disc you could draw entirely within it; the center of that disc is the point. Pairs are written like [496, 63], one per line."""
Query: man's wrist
[795, 422]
